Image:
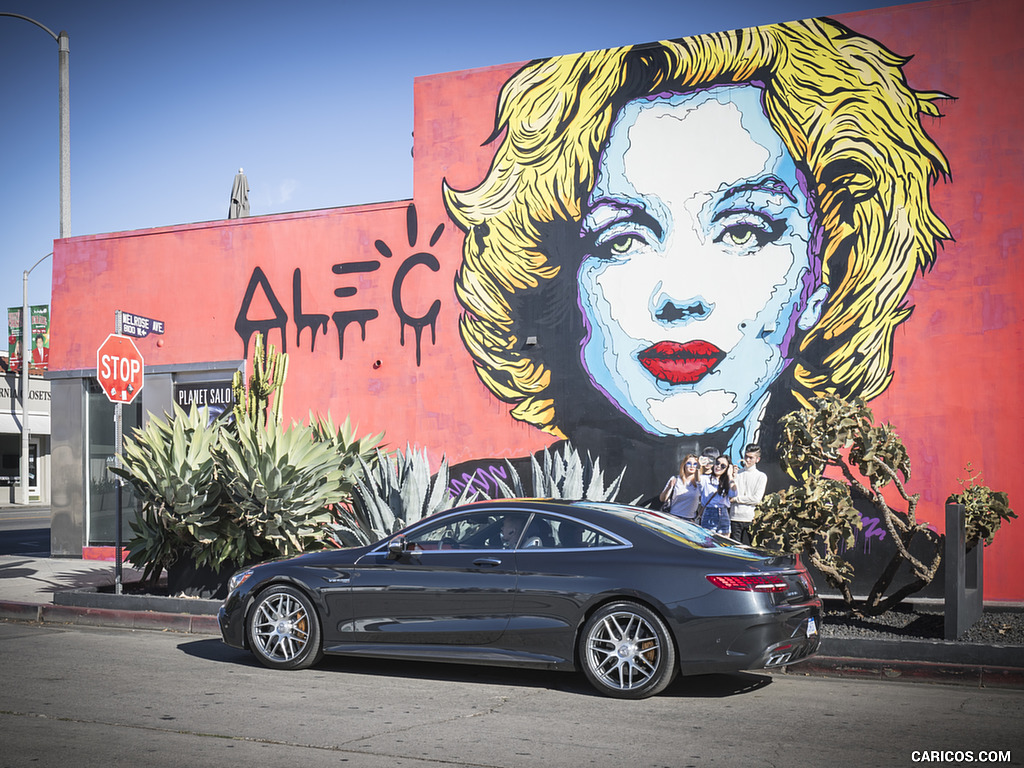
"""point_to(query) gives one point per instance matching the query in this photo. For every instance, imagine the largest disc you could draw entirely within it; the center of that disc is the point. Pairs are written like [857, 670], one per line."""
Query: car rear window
[692, 535]
[673, 528]
[677, 529]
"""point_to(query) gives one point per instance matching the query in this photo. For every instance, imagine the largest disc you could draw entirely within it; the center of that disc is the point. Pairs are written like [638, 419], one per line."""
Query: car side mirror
[397, 547]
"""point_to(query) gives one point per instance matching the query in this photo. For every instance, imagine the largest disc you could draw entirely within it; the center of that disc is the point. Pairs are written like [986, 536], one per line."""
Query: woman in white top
[682, 491]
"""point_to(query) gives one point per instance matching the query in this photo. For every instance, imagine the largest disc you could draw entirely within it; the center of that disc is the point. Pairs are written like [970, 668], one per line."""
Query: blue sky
[313, 98]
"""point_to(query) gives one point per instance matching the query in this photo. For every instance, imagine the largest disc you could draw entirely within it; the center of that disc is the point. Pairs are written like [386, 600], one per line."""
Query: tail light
[760, 582]
[807, 582]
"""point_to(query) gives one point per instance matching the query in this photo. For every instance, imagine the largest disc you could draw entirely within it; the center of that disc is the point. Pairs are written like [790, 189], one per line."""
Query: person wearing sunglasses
[717, 492]
[682, 492]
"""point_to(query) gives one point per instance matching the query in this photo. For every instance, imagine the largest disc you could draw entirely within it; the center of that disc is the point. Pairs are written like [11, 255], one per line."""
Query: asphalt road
[25, 531]
[100, 697]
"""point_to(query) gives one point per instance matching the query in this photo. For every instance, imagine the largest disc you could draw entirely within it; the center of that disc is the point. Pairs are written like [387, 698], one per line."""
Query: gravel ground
[905, 622]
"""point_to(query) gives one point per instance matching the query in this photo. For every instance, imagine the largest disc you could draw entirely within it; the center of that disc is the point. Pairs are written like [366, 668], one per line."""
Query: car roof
[595, 512]
[567, 506]
[622, 519]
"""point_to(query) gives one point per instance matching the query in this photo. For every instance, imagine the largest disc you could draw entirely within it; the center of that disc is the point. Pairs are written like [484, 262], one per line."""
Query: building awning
[38, 424]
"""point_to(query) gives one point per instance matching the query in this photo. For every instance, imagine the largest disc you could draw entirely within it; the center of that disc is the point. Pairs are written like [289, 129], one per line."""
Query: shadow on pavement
[694, 687]
[213, 649]
[18, 569]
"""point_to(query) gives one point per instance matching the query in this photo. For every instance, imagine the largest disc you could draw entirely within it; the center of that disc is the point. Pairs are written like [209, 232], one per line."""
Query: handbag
[666, 505]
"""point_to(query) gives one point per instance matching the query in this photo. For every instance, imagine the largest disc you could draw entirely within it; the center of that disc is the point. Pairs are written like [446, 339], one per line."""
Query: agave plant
[279, 483]
[350, 448]
[562, 474]
[171, 466]
[394, 492]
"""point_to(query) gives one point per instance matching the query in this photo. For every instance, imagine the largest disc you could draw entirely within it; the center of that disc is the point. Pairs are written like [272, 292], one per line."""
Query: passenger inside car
[511, 529]
[538, 534]
[570, 535]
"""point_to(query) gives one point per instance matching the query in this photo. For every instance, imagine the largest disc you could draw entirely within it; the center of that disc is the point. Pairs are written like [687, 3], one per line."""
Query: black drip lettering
[417, 323]
[246, 327]
[343, 319]
[313, 322]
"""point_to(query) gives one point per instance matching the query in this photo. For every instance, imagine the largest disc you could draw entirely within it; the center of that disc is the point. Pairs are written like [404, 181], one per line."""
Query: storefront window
[100, 444]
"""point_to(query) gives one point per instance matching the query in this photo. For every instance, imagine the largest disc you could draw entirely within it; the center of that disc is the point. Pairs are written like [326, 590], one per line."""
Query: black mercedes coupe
[629, 595]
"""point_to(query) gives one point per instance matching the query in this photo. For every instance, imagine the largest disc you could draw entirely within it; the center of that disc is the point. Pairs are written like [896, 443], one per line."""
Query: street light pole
[64, 120]
[64, 108]
[64, 99]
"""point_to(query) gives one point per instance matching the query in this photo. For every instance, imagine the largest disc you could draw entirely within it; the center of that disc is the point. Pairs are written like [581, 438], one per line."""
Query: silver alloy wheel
[623, 651]
[281, 627]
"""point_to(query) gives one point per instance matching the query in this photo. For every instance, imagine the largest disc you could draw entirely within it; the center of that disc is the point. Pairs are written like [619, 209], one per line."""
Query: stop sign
[119, 367]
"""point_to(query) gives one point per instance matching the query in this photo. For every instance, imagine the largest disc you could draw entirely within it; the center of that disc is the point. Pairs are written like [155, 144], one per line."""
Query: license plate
[812, 627]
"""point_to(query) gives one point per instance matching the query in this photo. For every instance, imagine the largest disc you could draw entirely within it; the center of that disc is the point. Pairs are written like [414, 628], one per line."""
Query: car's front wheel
[626, 651]
[283, 629]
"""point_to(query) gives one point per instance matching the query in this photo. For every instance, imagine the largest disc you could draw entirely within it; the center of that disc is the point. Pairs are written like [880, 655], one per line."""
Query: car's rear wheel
[283, 629]
[626, 651]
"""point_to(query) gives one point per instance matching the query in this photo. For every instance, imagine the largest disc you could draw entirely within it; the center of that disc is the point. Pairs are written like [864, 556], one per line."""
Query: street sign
[119, 368]
[139, 326]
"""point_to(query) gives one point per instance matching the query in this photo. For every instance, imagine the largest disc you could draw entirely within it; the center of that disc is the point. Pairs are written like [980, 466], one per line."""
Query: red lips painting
[677, 363]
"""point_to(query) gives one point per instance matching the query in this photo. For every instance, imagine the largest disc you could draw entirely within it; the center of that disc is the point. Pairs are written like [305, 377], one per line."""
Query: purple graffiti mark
[483, 480]
[871, 529]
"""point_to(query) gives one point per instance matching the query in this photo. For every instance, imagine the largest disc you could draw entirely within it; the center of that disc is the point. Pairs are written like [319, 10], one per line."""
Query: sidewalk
[29, 587]
[43, 590]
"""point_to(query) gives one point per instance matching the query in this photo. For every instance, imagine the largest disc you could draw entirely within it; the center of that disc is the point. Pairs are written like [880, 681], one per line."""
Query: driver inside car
[511, 529]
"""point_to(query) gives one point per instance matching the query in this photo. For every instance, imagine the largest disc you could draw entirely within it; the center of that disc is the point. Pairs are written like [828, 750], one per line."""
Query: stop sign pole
[119, 369]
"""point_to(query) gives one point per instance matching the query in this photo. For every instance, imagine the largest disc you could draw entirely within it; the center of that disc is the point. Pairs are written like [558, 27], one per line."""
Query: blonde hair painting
[843, 109]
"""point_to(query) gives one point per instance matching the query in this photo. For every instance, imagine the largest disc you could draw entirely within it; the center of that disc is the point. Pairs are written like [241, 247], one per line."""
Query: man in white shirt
[750, 487]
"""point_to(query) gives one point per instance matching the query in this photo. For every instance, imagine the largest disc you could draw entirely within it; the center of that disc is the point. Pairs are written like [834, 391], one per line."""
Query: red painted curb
[19, 611]
[910, 671]
[105, 617]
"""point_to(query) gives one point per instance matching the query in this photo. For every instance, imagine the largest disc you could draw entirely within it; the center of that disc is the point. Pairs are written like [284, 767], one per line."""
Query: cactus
[269, 369]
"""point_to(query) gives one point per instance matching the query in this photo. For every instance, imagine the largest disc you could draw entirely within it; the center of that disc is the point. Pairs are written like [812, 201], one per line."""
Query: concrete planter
[91, 597]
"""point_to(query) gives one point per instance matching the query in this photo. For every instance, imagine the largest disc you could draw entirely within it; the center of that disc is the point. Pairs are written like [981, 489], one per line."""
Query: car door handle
[490, 561]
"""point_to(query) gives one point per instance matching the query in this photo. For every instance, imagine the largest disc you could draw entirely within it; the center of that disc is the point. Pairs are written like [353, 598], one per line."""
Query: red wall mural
[364, 298]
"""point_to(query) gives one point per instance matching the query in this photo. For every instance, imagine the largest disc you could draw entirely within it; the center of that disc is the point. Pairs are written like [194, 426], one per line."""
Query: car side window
[478, 530]
[552, 532]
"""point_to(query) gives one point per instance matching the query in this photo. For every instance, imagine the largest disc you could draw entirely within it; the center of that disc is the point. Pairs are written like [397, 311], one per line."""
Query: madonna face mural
[698, 261]
[701, 234]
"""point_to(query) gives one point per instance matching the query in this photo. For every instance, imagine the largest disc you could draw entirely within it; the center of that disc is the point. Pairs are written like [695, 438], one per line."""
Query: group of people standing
[712, 491]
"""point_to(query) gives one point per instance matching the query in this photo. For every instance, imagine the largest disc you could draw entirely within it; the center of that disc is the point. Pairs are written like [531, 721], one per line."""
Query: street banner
[39, 334]
[39, 359]
[14, 339]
